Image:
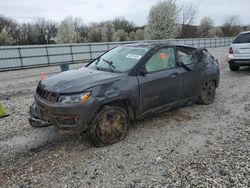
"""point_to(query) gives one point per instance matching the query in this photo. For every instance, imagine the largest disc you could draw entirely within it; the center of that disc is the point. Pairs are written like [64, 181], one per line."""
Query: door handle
[203, 68]
[173, 74]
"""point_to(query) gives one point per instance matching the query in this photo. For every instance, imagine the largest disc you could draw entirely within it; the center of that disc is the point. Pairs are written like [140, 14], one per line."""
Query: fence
[20, 57]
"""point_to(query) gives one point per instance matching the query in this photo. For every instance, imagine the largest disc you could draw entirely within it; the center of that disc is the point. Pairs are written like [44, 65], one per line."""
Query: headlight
[73, 99]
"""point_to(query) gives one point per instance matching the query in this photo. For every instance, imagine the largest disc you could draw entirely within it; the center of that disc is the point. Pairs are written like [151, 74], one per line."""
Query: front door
[161, 83]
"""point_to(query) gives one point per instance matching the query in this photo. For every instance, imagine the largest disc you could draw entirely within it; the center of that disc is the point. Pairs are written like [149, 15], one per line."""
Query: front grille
[47, 95]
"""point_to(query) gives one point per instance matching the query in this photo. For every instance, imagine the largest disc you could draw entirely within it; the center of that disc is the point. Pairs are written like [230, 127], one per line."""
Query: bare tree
[205, 24]
[188, 13]
[231, 26]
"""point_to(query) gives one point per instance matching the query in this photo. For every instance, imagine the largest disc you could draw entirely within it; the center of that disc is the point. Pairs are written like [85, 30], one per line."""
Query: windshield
[120, 59]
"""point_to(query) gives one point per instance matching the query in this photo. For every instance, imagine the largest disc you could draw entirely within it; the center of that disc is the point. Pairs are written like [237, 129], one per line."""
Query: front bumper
[64, 116]
[34, 119]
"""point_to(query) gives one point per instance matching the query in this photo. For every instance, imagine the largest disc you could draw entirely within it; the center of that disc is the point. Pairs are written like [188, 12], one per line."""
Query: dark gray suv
[127, 83]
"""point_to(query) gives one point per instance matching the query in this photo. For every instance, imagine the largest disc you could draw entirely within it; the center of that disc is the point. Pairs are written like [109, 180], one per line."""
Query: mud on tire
[108, 126]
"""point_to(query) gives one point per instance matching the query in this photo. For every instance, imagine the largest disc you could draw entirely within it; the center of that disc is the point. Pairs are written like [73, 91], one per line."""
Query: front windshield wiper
[110, 63]
[97, 61]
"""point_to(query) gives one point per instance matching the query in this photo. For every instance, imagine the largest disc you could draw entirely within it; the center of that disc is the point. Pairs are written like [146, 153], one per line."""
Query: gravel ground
[194, 146]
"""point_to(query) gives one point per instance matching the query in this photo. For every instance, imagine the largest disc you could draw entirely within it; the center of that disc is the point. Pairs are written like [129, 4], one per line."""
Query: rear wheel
[234, 68]
[207, 93]
[109, 125]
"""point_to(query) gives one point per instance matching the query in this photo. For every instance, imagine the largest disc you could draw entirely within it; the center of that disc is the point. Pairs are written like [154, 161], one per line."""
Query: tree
[11, 27]
[108, 31]
[132, 36]
[139, 34]
[81, 30]
[120, 35]
[66, 31]
[123, 24]
[162, 20]
[5, 39]
[46, 30]
[188, 13]
[231, 26]
[206, 23]
[215, 32]
[95, 34]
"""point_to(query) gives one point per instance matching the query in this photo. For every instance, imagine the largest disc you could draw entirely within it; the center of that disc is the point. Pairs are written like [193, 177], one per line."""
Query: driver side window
[161, 60]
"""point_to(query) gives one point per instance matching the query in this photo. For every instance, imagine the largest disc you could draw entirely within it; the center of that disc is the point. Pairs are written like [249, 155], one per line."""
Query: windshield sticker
[133, 56]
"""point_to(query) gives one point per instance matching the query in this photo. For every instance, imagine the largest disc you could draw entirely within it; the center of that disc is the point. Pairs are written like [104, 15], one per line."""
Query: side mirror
[143, 71]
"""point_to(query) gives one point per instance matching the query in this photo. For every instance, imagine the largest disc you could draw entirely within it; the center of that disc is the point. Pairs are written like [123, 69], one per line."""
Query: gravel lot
[194, 146]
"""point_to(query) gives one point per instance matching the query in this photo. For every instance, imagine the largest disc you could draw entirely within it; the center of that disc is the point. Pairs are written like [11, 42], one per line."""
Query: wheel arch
[127, 103]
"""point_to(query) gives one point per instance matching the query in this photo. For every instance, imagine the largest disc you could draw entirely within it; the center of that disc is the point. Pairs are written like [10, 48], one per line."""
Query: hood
[78, 80]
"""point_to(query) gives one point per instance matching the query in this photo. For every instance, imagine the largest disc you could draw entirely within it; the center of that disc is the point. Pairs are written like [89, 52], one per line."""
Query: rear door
[191, 80]
[241, 45]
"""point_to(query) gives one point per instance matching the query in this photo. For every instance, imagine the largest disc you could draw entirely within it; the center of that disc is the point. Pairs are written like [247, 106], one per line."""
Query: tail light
[230, 50]
[217, 64]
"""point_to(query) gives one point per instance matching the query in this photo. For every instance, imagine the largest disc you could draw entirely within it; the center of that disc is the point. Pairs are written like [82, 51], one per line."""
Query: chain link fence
[21, 57]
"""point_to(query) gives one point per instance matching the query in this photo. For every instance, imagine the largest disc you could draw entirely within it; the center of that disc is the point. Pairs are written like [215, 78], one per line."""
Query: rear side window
[242, 38]
[187, 55]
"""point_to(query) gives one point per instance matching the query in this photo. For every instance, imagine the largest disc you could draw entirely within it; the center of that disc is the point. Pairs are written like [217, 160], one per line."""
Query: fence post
[20, 55]
[108, 46]
[47, 54]
[90, 52]
[71, 52]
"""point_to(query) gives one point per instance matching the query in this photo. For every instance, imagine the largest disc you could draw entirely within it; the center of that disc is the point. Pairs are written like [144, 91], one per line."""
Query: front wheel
[207, 93]
[108, 126]
[234, 68]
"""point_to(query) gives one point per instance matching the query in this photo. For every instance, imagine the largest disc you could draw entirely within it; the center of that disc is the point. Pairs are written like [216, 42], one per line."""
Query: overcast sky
[133, 10]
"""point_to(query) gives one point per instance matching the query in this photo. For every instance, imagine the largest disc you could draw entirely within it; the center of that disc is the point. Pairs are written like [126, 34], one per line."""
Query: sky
[133, 10]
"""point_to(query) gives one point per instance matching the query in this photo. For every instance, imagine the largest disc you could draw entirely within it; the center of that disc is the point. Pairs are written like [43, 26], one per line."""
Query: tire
[207, 93]
[110, 125]
[234, 68]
